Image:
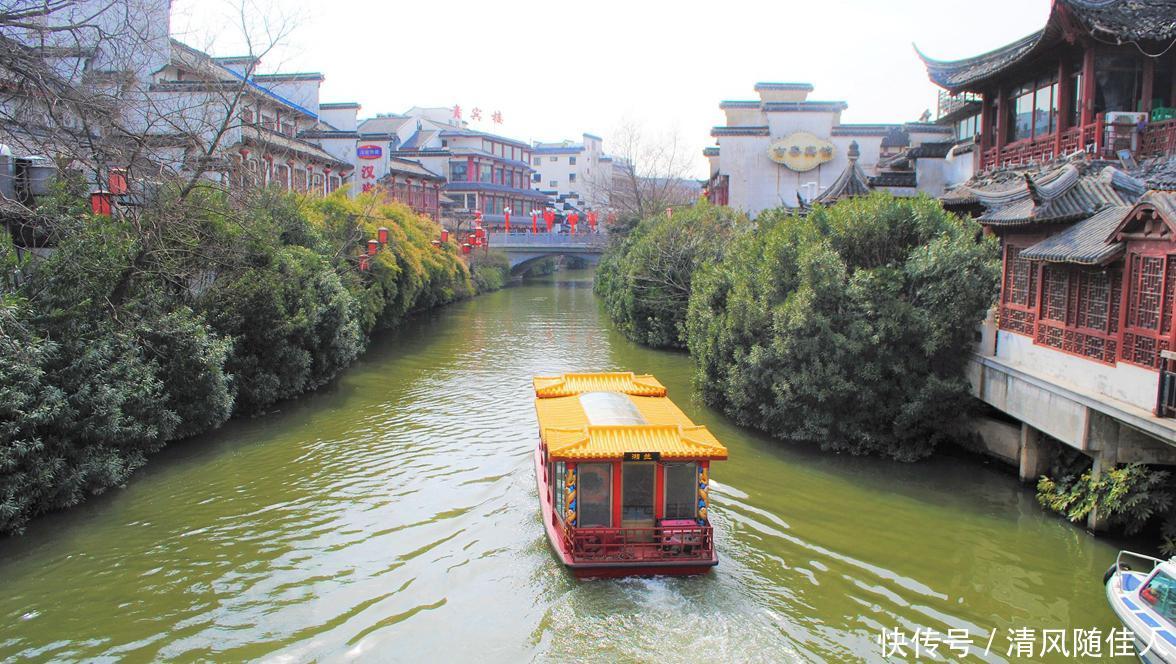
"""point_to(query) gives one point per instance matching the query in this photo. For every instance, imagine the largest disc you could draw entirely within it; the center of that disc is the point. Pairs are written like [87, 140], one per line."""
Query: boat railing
[1126, 559]
[641, 544]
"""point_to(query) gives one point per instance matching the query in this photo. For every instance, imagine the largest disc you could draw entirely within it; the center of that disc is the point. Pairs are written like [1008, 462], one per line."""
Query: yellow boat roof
[625, 382]
[605, 416]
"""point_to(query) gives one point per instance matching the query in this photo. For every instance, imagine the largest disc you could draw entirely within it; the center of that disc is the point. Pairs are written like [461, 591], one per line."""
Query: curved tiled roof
[1118, 20]
[1084, 243]
[851, 182]
[612, 442]
[1062, 195]
[624, 382]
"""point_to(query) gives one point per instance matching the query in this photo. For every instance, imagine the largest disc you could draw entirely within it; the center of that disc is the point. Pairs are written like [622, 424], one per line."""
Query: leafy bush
[645, 278]
[491, 271]
[1129, 497]
[847, 328]
[76, 416]
[292, 325]
[161, 325]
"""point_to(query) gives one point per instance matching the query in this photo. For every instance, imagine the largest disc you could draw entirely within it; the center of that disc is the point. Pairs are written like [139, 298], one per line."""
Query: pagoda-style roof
[851, 182]
[608, 416]
[624, 382]
[611, 443]
[1113, 21]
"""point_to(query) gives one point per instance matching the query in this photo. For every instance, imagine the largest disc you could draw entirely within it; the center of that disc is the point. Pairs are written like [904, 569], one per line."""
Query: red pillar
[659, 491]
[1062, 104]
[617, 485]
[986, 128]
[1002, 118]
[1149, 76]
[1088, 87]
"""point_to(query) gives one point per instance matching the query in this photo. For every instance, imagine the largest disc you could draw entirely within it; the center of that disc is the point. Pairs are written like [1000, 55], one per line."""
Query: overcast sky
[556, 69]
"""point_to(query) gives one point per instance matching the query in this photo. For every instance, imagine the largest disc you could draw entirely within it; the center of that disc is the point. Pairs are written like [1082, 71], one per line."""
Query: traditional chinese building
[1098, 77]
[175, 109]
[1077, 345]
[429, 158]
[786, 150]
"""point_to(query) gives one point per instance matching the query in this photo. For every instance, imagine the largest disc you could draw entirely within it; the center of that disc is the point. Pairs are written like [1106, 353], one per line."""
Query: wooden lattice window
[1076, 312]
[1020, 287]
[1147, 278]
[1149, 304]
[1169, 298]
[1055, 289]
[1094, 300]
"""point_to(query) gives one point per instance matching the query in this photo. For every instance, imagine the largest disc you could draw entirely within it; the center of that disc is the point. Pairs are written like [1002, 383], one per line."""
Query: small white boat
[1142, 593]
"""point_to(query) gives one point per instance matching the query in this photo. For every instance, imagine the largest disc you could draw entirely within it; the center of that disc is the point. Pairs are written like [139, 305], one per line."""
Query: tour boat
[1142, 593]
[623, 476]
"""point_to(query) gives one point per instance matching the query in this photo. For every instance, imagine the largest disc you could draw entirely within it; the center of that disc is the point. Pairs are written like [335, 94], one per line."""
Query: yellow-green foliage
[410, 274]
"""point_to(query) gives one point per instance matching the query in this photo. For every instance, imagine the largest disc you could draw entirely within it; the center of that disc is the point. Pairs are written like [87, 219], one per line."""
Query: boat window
[1160, 593]
[557, 485]
[681, 490]
[595, 495]
[610, 409]
[637, 500]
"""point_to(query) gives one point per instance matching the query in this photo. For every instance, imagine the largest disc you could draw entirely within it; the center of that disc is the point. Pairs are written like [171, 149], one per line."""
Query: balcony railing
[950, 103]
[665, 543]
[1045, 148]
[1158, 139]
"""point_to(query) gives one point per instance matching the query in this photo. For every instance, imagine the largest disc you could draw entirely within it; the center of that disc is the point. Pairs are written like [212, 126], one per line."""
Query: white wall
[1125, 382]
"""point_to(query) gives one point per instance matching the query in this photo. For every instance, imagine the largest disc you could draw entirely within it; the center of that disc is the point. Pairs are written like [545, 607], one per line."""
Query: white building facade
[575, 176]
[785, 150]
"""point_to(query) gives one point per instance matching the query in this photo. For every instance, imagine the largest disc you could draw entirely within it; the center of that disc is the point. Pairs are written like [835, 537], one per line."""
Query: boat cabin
[623, 475]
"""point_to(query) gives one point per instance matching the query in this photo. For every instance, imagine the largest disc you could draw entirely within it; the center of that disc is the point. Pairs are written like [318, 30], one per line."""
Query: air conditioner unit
[1125, 118]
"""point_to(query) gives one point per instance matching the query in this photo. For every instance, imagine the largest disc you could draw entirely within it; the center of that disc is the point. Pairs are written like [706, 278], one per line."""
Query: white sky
[558, 68]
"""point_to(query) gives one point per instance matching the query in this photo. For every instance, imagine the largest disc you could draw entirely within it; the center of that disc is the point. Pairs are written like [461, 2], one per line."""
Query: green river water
[392, 516]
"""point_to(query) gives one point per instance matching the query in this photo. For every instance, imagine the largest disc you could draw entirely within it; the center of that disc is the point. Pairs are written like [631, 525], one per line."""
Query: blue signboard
[369, 152]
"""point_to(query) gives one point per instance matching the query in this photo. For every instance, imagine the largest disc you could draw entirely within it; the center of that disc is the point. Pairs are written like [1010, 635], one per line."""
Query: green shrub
[847, 328]
[1129, 497]
[645, 278]
[291, 323]
[491, 271]
[144, 329]
[76, 416]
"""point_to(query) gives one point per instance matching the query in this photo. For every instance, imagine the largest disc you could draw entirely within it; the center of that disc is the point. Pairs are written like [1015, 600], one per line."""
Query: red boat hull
[595, 569]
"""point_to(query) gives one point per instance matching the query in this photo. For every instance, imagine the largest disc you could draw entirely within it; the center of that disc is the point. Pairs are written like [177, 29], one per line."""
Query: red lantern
[100, 203]
[118, 181]
[535, 222]
[465, 248]
[506, 216]
[481, 232]
[373, 247]
[444, 235]
[382, 234]
[363, 263]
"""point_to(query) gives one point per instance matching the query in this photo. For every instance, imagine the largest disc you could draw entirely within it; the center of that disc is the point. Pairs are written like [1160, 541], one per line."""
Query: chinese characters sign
[476, 114]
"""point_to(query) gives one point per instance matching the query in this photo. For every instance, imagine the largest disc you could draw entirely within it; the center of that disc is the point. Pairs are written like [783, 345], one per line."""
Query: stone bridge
[525, 248]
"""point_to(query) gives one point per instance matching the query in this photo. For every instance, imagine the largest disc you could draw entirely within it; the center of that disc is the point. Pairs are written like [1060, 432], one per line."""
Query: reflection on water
[393, 517]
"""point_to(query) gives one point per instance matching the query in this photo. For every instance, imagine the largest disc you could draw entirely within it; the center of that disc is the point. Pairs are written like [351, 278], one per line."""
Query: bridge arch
[519, 263]
[524, 249]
